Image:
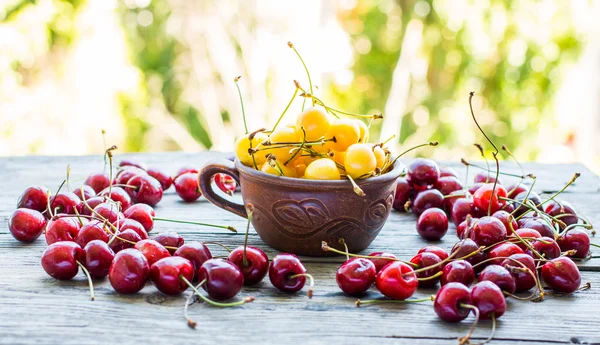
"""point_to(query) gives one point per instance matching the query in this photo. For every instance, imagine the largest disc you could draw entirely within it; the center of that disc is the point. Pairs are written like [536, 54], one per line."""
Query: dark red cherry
[451, 198]
[225, 183]
[458, 271]
[520, 198]
[381, 263]
[502, 251]
[35, 198]
[88, 192]
[423, 260]
[26, 225]
[448, 301]
[489, 299]
[563, 210]
[423, 172]
[124, 239]
[144, 189]
[130, 224]
[62, 229]
[167, 274]
[132, 163]
[561, 274]
[448, 184]
[499, 276]
[196, 252]
[94, 230]
[283, 267]
[487, 231]
[524, 279]
[486, 177]
[223, 279]
[91, 204]
[441, 253]
[465, 227]
[98, 182]
[508, 220]
[98, 258]
[475, 187]
[432, 224]
[538, 224]
[60, 259]
[129, 271]
[66, 202]
[125, 174]
[546, 246]
[448, 171]
[187, 187]
[514, 189]
[508, 208]
[152, 250]
[185, 170]
[169, 239]
[427, 199]
[466, 247]
[119, 195]
[487, 194]
[255, 267]
[526, 234]
[403, 194]
[397, 281]
[165, 179]
[109, 212]
[575, 239]
[461, 208]
[356, 276]
[142, 213]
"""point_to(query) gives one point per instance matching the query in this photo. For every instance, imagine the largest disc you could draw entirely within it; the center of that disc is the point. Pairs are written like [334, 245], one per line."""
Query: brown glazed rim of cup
[260, 176]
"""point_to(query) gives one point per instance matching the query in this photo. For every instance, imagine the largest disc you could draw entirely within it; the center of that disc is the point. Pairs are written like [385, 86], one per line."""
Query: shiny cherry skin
[34, 198]
[563, 210]
[185, 170]
[196, 252]
[515, 189]
[499, 276]
[403, 193]
[123, 240]
[130, 224]
[88, 192]
[66, 202]
[98, 182]
[487, 194]
[98, 258]
[466, 247]
[60, 259]
[223, 279]
[526, 234]
[26, 225]
[448, 171]
[397, 281]
[575, 239]
[487, 231]
[426, 260]
[485, 177]
[562, 275]
[91, 204]
[62, 229]
[167, 274]
[152, 250]
[144, 189]
[489, 299]
[356, 276]
[448, 301]
[187, 187]
[423, 172]
[451, 198]
[508, 220]
[524, 280]
[427, 199]
[118, 194]
[256, 266]
[108, 211]
[448, 184]
[538, 224]
[91, 231]
[129, 271]
[282, 268]
[546, 246]
[381, 263]
[142, 213]
[225, 183]
[532, 198]
[432, 224]
[440, 252]
[503, 250]
[165, 179]
[126, 173]
[461, 208]
[169, 239]
[458, 271]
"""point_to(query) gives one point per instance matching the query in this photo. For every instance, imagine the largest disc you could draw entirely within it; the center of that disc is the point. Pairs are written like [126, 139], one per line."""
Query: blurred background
[157, 75]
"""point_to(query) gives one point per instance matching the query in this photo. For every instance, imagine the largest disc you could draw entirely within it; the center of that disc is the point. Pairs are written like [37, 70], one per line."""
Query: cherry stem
[391, 164]
[522, 268]
[377, 301]
[465, 339]
[110, 168]
[311, 282]
[69, 177]
[327, 248]
[104, 143]
[594, 245]
[114, 228]
[218, 244]
[230, 228]
[284, 110]
[510, 154]
[236, 79]
[118, 185]
[487, 163]
[49, 201]
[526, 197]
[575, 177]
[468, 164]
[355, 187]
[343, 242]
[534, 209]
[208, 300]
[526, 243]
[249, 212]
[435, 276]
[89, 278]
[305, 68]
[449, 258]
[191, 323]
[300, 148]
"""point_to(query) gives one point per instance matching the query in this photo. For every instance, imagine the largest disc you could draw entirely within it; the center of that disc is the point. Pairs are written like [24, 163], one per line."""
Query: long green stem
[249, 212]
[285, 110]
[230, 228]
[208, 300]
[305, 68]
[236, 79]
[575, 177]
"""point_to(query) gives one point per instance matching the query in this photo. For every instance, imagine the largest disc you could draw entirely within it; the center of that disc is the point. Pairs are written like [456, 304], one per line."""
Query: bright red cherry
[66, 202]
[448, 171]
[129, 271]
[397, 281]
[119, 195]
[545, 246]
[441, 253]
[287, 273]
[538, 224]
[499, 276]
[125, 174]
[430, 198]
[508, 220]
[355, 276]
[187, 187]
[126, 239]
[152, 250]
[423, 260]
[448, 184]
[223, 279]
[94, 230]
[130, 224]
[255, 266]
[423, 172]
[485, 177]
[26, 225]
[144, 189]
[403, 194]
[451, 198]
[98, 258]
[458, 271]
[467, 247]
[503, 250]
[381, 263]
[168, 274]
[88, 192]
[169, 240]
[432, 224]
[449, 300]
[62, 229]
[526, 234]
[475, 187]
[132, 163]
[483, 197]
[465, 227]
[142, 213]
[487, 231]
[35, 198]
[562, 275]
[489, 299]
[165, 180]
[563, 210]
[185, 170]
[109, 212]
[60, 259]
[575, 239]
[98, 182]
[196, 252]
[524, 279]
[461, 208]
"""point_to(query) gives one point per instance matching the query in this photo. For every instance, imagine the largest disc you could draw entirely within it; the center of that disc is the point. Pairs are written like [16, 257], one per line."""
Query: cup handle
[205, 178]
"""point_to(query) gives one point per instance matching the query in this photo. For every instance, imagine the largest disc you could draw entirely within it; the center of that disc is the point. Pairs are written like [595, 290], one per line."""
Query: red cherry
[130, 224]
[165, 180]
[60, 259]
[66, 202]
[88, 192]
[431, 198]
[129, 271]
[168, 274]
[256, 266]
[142, 213]
[575, 239]
[196, 252]
[423, 172]
[108, 211]
[187, 187]
[503, 250]
[381, 263]
[152, 250]
[448, 171]
[481, 197]
[546, 247]
[459, 271]
[460, 210]
[119, 195]
[397, 281]
[563, 210]
[448, 184]
[127, 173]
[98, 182]
[26, 225]
[355, 276]
[475, 187]
[283, 267]
[524, 233]
[432, 224]
[144, 189]
[451, 198]
[508, 220]
[448, 301]
[561, 274]
[91, 231]
[127, 237]
[499, 276]
[441, 253]
[426, 260]
[225, 183]
[538, 224]
[223, 279]
[524, 280]
[403, 194]
[62, 229]
[169, 239]
[465, 226]
[487, 231]
[35, 198]
[466, 247]
[132, 163]
[514, 189]
[98, 258]
[485, 177]
[489, 299]
[185, 170]
[91, 204]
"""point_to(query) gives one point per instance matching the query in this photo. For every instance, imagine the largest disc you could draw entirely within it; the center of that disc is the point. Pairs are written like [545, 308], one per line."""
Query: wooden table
[36, 309]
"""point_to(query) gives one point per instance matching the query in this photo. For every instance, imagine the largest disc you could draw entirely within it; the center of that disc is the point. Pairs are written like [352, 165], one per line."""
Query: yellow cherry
[379, 156]
[242, 144]
[322, 169]
[315, 122]
[339, 157]
[360, 161]
[287, 171]
[345, 132]
[300, 169]
[364, 131]
[281, 135]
